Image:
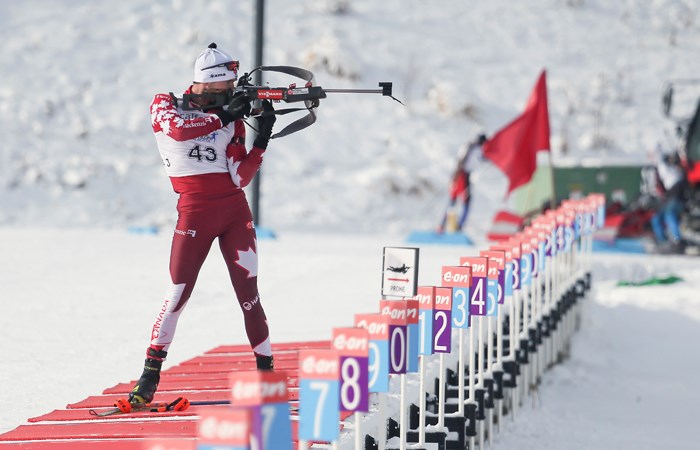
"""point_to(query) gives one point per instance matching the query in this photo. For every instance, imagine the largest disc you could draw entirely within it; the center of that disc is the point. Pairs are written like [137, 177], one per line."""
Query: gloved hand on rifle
[238, 108]
[265, 121]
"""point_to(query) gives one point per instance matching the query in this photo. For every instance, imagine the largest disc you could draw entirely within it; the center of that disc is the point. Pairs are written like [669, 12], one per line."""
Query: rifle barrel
[353, 91]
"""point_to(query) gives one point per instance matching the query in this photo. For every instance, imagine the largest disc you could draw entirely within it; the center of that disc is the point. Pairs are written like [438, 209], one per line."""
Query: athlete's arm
[166, 118]
[242, 165]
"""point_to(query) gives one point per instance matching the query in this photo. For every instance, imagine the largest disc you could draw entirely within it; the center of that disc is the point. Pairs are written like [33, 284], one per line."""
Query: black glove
[238, 108]
[265, 122]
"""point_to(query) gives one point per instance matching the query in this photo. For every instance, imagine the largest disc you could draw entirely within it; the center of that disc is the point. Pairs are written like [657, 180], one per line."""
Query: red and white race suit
[208, 166]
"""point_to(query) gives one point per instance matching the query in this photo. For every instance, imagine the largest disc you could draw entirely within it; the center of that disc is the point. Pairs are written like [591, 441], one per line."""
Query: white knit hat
[214, 65]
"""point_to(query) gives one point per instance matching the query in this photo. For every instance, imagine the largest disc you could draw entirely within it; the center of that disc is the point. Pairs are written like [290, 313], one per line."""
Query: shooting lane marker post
[352, 345]
[426, 308]
[496, 289]
[319, 396]
[377, 326]
[478, 306]
[399, 279]
[265, 395]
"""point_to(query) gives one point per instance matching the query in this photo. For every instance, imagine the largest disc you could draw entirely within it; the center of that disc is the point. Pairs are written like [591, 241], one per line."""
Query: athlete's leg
[467, 196]
[189, 250]
[658, 227]
[672, 213]
[465, 212]
[238, 246]
[443, 222]
[190, 246]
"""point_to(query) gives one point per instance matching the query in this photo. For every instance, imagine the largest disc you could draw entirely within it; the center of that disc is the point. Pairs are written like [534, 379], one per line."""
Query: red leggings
[201, 220]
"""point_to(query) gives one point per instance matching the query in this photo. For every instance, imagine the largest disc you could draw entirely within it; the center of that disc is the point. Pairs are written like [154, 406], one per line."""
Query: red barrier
[203, 378]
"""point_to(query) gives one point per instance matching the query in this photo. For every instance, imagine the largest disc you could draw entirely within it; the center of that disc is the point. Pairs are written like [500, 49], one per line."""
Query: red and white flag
[514, 148]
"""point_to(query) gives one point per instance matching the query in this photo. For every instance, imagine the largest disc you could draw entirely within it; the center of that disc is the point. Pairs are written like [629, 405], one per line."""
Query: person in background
[471, 153]
[665, 223]
[203, 151]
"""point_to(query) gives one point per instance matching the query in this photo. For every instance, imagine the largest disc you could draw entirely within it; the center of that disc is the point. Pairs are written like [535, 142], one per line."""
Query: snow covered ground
[78, 165]
[78, 306]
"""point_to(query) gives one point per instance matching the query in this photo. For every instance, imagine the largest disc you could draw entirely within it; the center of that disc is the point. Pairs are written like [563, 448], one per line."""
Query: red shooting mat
[104, 444]
[89, 444]
[275, 347]
[226, 368]
[122, 429]
[184, 383]
[186, 428]
[244, 359]
[203, 378]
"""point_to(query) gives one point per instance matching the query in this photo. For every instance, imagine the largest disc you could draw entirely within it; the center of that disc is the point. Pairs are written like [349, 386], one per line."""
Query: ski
[123, 406]
[293, 409]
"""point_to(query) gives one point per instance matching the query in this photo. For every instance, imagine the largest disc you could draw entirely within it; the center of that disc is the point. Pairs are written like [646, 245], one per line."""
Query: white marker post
[426, 307]
[220, 427]
[496, 275]
[516, 253]
[526, 281]
[570, 215]
[541, 308]
[395, 310]
[472, 373]
[442, 340]
[506, 308]
[534, 306]
[478, 306]
[554, 295]
[548, 225]
[480, 365]
[539, 242]
[264, 393]
[352, 345]
[526, 264]
[459, 279]
[413, 341]
[400, 279]
[559, 277]
[377, 326]
[319, 396]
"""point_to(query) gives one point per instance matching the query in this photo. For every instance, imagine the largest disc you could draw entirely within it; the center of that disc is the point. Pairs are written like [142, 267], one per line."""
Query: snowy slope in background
[78, 77]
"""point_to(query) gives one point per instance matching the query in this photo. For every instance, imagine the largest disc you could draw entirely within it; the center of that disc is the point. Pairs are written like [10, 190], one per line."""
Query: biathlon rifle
[309, 93]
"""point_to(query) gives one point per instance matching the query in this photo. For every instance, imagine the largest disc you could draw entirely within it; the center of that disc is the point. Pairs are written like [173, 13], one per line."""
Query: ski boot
[264, 363]
[146, 386]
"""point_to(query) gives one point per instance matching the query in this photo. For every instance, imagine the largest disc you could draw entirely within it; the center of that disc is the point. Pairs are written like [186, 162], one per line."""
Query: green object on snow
[671, 279]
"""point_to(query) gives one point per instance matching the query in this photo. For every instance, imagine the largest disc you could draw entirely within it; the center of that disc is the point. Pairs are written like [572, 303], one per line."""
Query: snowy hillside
[77, 78]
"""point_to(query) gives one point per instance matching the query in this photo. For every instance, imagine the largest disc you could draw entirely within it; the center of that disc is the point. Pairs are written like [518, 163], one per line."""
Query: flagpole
[553, 198]
[528, 199]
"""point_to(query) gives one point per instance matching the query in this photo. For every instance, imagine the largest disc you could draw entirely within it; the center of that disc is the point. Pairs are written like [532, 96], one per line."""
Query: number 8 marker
[352, 345]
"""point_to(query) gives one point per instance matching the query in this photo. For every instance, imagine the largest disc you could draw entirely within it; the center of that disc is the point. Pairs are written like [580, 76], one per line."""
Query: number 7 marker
[319, 395]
